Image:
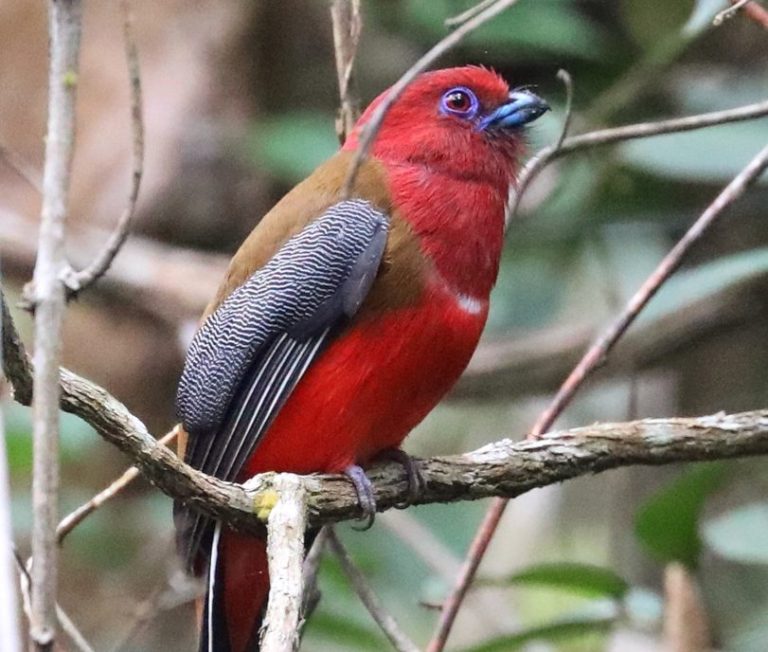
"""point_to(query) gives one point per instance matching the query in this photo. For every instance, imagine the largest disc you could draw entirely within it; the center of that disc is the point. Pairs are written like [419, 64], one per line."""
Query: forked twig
[76, 282]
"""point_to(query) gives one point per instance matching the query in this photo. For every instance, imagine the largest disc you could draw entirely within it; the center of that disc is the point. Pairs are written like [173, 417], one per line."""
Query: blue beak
[523, 107]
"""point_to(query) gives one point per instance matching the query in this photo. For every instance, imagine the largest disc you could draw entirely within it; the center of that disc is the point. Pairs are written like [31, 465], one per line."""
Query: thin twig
[730, 12]
[596, 354]
[76, 282]
[383, 618]
[347, 27]
[565, 77]
[750, 7]
[286, 525]
[311, 569]
[47, 297]
[74, 518]
[439, 49]
[24, 169]
[65, 622]
[574, 144]
[464, 16]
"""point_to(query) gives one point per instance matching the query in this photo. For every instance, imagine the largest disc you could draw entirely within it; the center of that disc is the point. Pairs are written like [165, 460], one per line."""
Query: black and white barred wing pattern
[251, 352]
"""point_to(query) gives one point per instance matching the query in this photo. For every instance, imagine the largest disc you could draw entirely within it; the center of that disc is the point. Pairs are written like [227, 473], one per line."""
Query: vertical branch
[347, 26]
[47, 298]
[10, 641]
[78, 281]
[285, 549]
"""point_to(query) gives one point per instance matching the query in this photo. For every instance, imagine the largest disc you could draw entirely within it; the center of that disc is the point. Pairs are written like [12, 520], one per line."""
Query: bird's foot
[414, 478]
[365, 497]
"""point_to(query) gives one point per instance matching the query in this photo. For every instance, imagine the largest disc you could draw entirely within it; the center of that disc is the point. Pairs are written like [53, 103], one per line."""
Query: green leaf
[700, 282]
[585, 579]
[293, 144]
[565, 629]
[740, 534]
[342, 631]
[667, 524]
[651, 20]
[545, 27]
[706, 155]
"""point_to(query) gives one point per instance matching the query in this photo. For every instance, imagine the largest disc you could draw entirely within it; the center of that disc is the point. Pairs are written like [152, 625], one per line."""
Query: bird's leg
[414, 478]
[365, 497]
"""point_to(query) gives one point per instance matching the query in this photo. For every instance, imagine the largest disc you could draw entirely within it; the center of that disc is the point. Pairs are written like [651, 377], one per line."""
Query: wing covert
[250, 353]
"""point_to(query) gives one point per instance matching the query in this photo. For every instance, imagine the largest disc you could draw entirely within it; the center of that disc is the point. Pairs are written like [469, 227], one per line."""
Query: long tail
[236, 594]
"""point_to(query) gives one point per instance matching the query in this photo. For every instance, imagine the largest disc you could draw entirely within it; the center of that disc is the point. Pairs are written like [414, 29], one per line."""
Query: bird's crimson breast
[372, 386]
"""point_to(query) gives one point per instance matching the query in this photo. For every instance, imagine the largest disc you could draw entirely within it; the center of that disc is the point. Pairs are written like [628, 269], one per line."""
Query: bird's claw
[414, 478]
[365, 497]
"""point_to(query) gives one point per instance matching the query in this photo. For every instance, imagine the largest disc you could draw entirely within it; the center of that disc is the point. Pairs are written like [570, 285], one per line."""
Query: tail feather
[237, 592]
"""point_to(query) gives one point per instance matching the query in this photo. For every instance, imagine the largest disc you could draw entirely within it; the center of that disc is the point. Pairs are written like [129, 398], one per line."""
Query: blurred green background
[573, 567]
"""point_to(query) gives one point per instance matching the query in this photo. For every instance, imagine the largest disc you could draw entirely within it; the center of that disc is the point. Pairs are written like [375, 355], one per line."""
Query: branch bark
[286, 525]
[47, 297]
[504, 468]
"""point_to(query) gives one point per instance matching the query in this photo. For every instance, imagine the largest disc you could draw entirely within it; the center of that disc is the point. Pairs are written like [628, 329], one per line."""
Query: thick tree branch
[504, 468]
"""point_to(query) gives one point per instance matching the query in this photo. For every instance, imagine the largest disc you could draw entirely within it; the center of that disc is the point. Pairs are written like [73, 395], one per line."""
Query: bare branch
[751, 8]
[629, 132]
[47, 297]
[347, 27]
[383, 618]
[502, 469]
[76, 282]
[565, 77]
[286, 525]
[24, 169]
[439, 49]
[464, 16]
[65, 622]
[671, 262]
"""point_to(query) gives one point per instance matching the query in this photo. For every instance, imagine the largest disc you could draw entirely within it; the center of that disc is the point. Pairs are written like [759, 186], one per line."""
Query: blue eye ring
[459, 101]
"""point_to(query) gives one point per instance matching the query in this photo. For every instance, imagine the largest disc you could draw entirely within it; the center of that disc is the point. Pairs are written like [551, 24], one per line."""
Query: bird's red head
[464, 122]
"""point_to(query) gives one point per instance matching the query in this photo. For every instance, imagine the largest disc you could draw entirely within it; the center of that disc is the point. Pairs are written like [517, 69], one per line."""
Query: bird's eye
[461, 102]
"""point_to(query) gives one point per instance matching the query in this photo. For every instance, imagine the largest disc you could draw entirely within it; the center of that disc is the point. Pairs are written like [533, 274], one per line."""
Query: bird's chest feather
[374, 384]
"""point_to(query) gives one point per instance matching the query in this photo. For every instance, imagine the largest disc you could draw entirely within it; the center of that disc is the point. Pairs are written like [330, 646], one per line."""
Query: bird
[346, 315]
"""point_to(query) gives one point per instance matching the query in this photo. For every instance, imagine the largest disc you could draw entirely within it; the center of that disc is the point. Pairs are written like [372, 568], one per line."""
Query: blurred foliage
[668, 524]
[573, 566]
